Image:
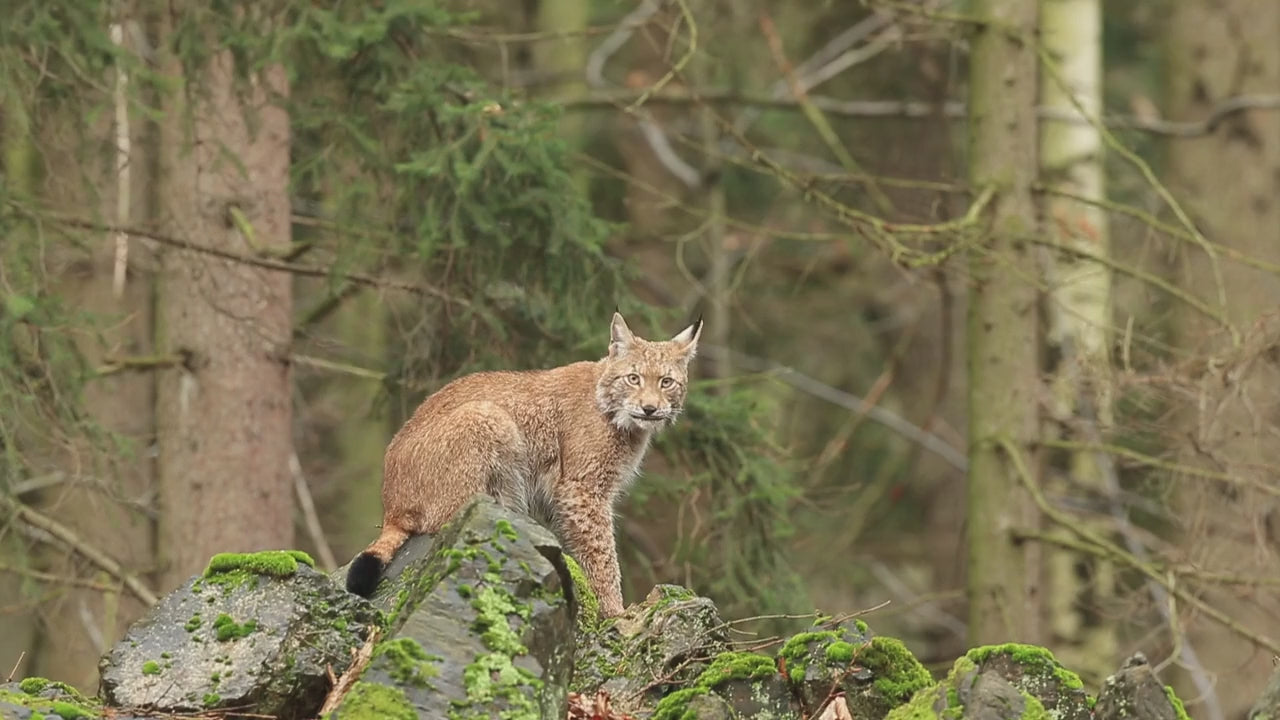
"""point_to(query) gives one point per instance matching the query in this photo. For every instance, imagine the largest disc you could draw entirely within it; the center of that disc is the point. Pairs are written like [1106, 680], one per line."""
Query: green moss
[370, 701]
[840, 652]
[1032, 657]
[676, 705]
[860, 626]
[73, 708]
[33, 685]
[408, 662]
[151, 667]
[70, 711]
[736, 666]
[588, 603]
[503, 528]
[1179, 709]
[493, 605]
[275, 563]
[212, 699]
[226, 628]
[898, 673]
[796, 649]
[1033, 709]
[194, 623]
[920, 707]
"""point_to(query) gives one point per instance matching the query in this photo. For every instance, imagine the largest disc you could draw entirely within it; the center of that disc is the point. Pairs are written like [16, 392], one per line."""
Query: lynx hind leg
[486, 454]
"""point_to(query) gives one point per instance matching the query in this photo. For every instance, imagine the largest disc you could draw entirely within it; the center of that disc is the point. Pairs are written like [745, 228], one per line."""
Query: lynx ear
[620, 336]
[688, 339]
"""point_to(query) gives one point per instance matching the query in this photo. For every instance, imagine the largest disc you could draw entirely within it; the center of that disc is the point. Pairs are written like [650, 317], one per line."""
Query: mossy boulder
[875, 673]
[480, 624]
[36, 698]
[1134, 693]
[673, 634]
[259, 630]
[1036, 671]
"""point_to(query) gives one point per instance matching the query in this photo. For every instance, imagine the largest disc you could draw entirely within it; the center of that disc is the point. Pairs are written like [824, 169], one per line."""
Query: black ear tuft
[363, 575]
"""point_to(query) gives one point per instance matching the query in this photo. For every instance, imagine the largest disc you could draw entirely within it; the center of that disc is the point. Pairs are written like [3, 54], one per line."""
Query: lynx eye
[666, 382]
[634, 379]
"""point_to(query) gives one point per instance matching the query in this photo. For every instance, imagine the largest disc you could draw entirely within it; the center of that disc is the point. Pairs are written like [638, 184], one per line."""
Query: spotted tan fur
[561, 443]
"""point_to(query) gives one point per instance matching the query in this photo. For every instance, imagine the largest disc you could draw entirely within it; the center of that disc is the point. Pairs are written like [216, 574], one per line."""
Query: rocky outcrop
[259, 631]
[479, 624]
[489, 619]
[1134, 693]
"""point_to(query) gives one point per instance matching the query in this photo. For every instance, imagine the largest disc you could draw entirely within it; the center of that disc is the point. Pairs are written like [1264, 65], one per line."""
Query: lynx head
[644, 382]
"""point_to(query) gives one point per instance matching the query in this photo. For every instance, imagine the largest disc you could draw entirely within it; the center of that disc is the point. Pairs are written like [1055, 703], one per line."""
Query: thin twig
[16, 665]
[264, 263]
[848, 401]
[312, 520]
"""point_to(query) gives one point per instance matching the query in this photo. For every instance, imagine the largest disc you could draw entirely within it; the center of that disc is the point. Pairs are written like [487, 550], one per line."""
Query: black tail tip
[363, 575]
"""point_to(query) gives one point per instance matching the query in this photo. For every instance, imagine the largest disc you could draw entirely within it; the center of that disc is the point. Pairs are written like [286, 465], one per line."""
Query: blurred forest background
[991, 287]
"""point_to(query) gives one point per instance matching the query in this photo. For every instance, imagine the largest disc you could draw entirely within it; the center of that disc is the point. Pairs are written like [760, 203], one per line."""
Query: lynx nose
[649, 409]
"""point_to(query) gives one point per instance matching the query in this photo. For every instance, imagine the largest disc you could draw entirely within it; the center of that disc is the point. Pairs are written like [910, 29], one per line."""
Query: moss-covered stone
[42, 698]
[226, 628]
[274, 563]
[676, 705]
[898, 674]
[151, 667]
[409, 663]
[588, 603]
[1035, 670]
[269, 645]
[1030, 656]
[371, 701]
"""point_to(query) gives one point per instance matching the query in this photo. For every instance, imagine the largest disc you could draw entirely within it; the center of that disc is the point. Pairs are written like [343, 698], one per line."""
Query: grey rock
[44, 699]
[479, 622]
[280, 636]
[1134, 693]
[673, 634]
[1036, 671]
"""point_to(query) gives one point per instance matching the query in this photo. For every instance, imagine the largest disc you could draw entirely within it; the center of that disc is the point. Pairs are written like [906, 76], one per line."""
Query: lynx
[562, 444]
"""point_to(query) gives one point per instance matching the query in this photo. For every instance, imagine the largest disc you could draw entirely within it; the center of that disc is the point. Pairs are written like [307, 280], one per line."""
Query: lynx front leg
[587, 526]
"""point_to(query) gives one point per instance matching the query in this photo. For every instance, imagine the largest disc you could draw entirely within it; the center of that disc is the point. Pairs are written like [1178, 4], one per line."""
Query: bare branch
[67, 537]
[308, 505]
[848, 401]
[919, 109]
[264, 263]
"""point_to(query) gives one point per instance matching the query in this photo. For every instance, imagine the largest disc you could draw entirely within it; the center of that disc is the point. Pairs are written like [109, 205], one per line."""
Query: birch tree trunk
[224, 411]
[1003, 357]
[1079, 313]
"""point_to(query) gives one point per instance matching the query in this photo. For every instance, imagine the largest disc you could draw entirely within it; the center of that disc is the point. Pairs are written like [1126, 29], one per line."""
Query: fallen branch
[359, 661]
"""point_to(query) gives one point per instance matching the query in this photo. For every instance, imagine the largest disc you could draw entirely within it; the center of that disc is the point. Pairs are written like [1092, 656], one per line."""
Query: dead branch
[308, 505]
[67, 537]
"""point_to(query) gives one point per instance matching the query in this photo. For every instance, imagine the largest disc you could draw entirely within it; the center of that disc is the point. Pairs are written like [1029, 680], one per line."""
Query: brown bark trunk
[224, 413]
[1003, 336]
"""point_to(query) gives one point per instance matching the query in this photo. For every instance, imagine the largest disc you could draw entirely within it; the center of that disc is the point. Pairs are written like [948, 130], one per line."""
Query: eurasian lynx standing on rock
[563, 443]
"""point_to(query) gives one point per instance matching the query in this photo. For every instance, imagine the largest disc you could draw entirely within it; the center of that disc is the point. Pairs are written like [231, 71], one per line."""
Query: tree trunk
[1079, 312]
[1229, 183]
[1003, 354]
[224, 410]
